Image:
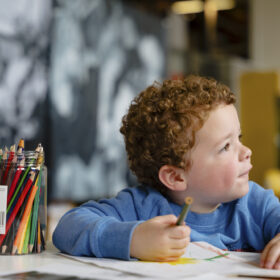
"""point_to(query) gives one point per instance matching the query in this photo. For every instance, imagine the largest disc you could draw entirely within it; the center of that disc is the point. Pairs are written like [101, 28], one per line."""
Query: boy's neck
[178, 197]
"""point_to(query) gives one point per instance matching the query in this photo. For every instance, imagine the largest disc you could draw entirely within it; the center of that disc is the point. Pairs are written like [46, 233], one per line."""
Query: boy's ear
[173, 178]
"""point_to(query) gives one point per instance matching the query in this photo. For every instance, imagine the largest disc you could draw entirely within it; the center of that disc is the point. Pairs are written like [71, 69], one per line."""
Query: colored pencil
[8, 241]
[23, 223]
[35, 213]
[20, 144]
[3, 162]
[20, 150]
[13, 204]
[42, 239]
[23, 236]
[15, 180]
[18, 187]
[39, 243]
[18, 205]
[12, 172]
[27, 236]
[1, 154]
[185, 210]
[8, 165]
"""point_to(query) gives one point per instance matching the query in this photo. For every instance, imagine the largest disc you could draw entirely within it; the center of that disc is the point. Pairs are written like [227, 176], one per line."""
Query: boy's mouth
[246, 173]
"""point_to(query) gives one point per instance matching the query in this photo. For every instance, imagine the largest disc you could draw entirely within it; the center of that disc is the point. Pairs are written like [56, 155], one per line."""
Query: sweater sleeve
[98, 229]
[265, 209]
[272, 216]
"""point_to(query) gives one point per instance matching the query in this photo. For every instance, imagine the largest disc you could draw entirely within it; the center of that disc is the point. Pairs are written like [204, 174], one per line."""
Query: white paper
[3, 207]
[227, 264]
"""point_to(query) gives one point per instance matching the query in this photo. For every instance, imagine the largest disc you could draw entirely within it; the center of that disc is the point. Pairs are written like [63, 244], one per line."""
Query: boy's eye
[226, 147]
[240, 136]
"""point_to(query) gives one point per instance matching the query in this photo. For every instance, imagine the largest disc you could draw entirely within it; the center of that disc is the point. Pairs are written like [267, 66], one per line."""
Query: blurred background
[70, 68]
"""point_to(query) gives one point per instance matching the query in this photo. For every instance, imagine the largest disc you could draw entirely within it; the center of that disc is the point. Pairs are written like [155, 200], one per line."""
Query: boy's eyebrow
[227, 136]
[221, 140]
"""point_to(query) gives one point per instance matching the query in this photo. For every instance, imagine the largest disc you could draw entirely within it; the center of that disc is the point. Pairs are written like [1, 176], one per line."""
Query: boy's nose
[245, 153]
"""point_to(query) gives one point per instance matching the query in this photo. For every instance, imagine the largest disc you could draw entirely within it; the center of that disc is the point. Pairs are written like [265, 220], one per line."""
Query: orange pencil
[24, 235]
[39, 243]
[20, 149]
[23, 223]
[18, 205]
[21, 144]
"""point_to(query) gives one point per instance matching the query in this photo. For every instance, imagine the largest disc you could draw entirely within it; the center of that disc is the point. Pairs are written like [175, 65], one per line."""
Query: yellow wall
[258, 117]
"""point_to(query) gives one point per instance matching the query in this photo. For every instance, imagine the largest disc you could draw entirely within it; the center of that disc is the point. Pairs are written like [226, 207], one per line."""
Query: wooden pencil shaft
[183, 214]
[35, 210]
[18, 188]
[16, 209]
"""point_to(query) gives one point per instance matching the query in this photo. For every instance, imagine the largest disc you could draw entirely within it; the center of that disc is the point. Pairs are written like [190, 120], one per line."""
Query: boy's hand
[270, 257]
[159, 239]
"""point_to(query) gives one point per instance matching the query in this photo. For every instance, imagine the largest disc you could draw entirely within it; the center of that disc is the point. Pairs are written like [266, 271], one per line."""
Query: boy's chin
[243, 190]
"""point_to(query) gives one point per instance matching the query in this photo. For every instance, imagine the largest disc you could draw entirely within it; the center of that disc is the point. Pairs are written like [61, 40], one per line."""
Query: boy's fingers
[167, 219]
[264, 254]
[179, 232]
[176, 252]
[180, 243]
[277, 264]
[269, 251]
[272, 255]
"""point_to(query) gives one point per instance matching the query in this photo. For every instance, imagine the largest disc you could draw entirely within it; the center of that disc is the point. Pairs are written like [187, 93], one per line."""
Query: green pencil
[18, 187]
[185, 210]
[26, 238]
[35, 213]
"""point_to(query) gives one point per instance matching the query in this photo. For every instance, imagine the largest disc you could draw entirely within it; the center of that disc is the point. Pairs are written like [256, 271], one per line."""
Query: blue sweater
[104, 228]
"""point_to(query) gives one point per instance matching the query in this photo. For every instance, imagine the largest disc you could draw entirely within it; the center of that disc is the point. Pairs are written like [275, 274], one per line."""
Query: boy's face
[220, 162]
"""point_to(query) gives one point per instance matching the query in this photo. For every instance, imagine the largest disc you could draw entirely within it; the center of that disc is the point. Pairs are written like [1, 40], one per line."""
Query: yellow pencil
[24, 220]
[24, 234]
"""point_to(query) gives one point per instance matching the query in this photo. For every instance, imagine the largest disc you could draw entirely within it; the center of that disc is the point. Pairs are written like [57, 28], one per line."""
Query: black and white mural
[102, 55]
[24, 41]
[68, 71]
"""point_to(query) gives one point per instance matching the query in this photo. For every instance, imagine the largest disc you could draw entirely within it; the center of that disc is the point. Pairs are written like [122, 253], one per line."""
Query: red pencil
[18, 205]
[15, 180]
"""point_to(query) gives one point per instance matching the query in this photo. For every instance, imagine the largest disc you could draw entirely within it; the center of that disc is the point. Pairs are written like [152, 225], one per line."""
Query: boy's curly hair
[161, 123]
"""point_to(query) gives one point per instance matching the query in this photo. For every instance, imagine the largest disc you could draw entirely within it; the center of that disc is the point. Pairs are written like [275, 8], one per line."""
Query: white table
[51, 262]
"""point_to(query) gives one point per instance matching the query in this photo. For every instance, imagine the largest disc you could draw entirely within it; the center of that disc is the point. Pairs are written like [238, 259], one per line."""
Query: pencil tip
[21, 143]
[14, 250]
[188, 200]
[30, 248]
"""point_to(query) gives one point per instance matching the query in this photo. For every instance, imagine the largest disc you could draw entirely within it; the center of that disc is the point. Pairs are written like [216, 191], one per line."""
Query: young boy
[182, 139]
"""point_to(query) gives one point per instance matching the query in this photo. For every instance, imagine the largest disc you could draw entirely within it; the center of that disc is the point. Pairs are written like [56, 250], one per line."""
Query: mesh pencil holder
[23, 203]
